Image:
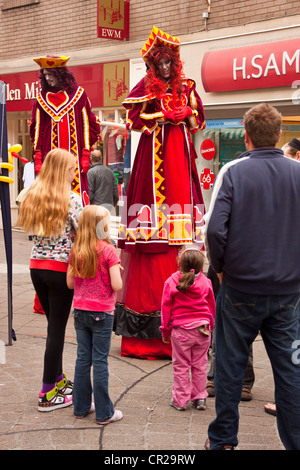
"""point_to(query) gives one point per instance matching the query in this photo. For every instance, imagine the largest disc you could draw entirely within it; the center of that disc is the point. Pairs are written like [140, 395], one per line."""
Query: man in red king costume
[164, 205]
[62, 118]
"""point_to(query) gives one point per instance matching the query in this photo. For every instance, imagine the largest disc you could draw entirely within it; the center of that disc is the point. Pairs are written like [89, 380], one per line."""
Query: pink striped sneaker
[53, 400]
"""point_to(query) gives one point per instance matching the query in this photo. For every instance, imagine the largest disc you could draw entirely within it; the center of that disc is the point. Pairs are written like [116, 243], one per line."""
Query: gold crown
[51, 62]
[156, 37]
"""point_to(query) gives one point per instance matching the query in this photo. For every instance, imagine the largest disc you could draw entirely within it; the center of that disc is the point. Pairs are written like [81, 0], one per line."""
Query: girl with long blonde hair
[94, 274]
[50, 211]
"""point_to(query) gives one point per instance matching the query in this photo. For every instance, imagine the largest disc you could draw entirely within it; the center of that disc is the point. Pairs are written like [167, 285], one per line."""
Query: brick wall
[33, 27]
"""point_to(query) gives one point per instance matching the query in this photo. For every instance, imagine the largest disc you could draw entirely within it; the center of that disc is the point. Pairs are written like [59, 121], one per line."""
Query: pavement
[140, 388]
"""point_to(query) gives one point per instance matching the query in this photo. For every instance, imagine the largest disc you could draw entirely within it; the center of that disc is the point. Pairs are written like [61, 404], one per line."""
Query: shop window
[221, 142]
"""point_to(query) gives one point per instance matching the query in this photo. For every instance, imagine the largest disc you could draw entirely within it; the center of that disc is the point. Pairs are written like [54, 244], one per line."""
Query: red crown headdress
[157, 37]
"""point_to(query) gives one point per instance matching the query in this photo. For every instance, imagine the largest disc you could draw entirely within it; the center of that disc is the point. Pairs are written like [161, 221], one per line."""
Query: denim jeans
[93, 331]
[239, 318]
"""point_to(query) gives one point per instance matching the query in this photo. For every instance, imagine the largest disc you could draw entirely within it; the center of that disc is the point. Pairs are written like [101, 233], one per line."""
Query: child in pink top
[94, 274]
[187, 318]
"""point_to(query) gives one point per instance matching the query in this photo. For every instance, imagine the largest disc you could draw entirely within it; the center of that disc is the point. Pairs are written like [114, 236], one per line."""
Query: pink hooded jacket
[195, 306]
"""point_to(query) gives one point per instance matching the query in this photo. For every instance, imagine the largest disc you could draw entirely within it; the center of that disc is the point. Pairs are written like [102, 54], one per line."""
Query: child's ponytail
[191, 260]
[186, 280]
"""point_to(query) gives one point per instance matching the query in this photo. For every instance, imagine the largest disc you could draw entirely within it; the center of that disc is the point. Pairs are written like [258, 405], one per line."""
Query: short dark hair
[263, 125]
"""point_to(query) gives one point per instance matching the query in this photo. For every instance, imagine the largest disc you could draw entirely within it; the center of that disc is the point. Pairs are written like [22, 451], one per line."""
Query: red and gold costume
[163, 206]
[63, 119]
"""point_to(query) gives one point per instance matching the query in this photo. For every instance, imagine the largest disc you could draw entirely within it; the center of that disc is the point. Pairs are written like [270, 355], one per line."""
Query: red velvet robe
[164, 192]
[64, 120]
[163, 210]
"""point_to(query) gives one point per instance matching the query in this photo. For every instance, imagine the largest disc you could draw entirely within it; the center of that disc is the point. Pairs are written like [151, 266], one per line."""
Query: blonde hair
[44, 209]
[191, 260]
[93, 225]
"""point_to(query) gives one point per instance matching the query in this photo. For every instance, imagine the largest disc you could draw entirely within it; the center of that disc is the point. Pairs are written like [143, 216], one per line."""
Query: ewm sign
[113, 19]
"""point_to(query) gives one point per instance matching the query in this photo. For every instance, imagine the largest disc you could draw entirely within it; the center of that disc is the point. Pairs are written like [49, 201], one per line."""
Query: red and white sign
[208, 149]
[113, 19]
[207, 178]
[275, 64]
[22, 88]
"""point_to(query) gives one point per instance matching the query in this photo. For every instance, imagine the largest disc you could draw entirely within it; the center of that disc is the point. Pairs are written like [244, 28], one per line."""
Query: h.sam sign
[274, 64]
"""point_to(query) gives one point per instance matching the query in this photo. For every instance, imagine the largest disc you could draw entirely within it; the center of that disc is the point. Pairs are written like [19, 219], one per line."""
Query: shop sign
[208, 149]
[22, 88]
[113, 19]
[105, 85]
[207, 178]
[115, 83]
[222, 123]
[275, 64]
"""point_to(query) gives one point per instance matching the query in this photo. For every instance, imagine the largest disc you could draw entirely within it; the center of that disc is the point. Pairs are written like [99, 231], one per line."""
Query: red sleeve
[197, 120]
[93, 124]
[143, 117]
[143, 110]
[37, 127]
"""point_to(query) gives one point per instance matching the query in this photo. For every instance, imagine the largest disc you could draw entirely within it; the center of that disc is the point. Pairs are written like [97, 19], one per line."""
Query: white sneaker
[115, 417]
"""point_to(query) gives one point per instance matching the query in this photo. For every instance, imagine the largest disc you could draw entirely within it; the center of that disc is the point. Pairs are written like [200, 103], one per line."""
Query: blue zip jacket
[253, 223]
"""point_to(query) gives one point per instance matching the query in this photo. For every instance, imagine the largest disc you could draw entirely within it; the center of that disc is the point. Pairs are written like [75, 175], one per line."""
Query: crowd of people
[162, 303]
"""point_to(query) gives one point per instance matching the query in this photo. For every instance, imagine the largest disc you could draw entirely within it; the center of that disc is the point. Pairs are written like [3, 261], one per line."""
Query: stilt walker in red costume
[164, 204]
[62, 118]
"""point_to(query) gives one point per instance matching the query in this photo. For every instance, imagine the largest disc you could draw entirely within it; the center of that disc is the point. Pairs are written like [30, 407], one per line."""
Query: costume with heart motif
[164, 190]
[62, 118]
[163, 207]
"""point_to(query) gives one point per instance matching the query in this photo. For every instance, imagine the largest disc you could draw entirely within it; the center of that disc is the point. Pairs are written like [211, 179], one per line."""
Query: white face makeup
[50, 78]
[164, 67]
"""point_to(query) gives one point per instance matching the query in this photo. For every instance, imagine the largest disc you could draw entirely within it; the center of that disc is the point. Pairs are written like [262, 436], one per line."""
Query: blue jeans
[93, 331]
[239, 318]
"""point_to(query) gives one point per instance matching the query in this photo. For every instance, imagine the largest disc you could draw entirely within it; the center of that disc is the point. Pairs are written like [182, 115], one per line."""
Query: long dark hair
[63, 75]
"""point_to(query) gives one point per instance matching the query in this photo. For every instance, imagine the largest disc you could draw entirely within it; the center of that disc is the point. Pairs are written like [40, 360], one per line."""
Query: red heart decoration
[144, 215]
[50, 62]
[197, 214]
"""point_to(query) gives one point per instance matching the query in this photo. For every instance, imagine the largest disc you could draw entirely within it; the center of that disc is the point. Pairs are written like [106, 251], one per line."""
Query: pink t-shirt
[96, 294]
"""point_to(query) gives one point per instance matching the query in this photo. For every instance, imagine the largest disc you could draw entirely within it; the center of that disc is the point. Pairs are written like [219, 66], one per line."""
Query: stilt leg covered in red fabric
[137, 315]
[145, 348]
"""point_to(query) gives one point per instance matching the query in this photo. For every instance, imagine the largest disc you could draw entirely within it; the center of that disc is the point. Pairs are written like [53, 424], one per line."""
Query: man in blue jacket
[253, 243]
